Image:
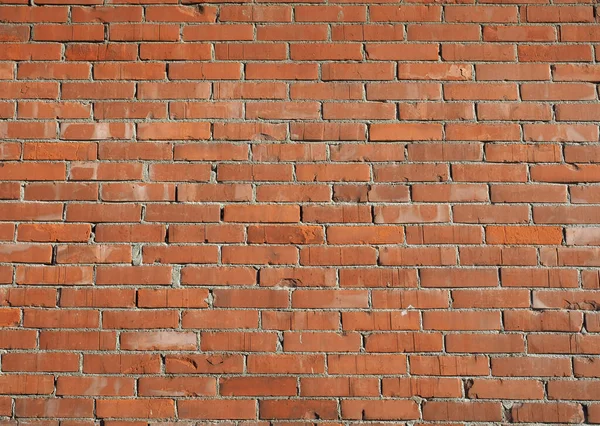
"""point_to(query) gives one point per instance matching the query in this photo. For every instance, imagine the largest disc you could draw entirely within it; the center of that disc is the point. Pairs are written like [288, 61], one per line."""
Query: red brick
[52, 407]
[103, 213]
[315, 52]
[140, 319]
[108, 110]
[265, 51]
[413, 51]
[488, 343]
[559, 13]
[358, 111]
[28, 296]
[261, 213]
[404, 342]
[175, 52]
[258, 386]
[469, 411]
[249, 90]
[217, 410]
[171, 298]
[524, 235]
[405, 132]
[478, 91]
[480, 14]
[124, 275]
[173, 90]
[332, 172]
[161, 408]
[206, 110]
[363, 71]
[121, 364]
[75, 71]
[405, 13]
[277, 320]
[284, 110]
[521, 33]
[583, 367]
[24, 52]
[297, 277]
[337, 256]
[422, 387]
[78, 340]
[555, 53]
[283, 255]
[107, 14]
[561, 344]
[128, 71]
[298, 409]
[14, 33]
[51, 233]
[339, 386]
[525, 366]
[143, 32]
[156, 386]
[179, 254]
[544, 321]
[380, 410]
[218, 276]
[101, 52]
[370, 152]
[158, 340]
[327, 131]
[211, 233]
[286, 364]
[222, 363]
[18, 339]
[29, 130]
[34, 318]
[445, 152]
[98, 90]
[450, 365]
[91, 386]
[97, 298]
[55, 32]
[220, 319]
[218, 32]
[568, 214]
[137, 192]
[31, 211]
[25, 253]
[180, 13]
[435, 72]
[478, 52]
[62, 275]
[249, 131]
[291, 32]
[7, 109]
[552, 412]
[330, 13]
[42, 362]
[238, 341]
[255, 14]
[443, 32]
[168, 131]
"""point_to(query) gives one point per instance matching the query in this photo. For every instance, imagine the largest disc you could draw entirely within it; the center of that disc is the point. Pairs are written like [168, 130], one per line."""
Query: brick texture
[276, 213]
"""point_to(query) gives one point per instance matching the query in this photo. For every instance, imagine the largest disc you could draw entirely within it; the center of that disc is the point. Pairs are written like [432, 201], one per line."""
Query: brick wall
[276, 212]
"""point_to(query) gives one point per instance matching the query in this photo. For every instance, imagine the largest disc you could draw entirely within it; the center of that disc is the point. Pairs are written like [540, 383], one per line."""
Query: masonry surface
[296, 213]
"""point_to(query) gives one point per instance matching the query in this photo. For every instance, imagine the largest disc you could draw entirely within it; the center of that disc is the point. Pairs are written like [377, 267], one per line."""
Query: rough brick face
[337, 212]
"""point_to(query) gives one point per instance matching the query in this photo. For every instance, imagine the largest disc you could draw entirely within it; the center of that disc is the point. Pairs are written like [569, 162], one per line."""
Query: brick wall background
[275, 212]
